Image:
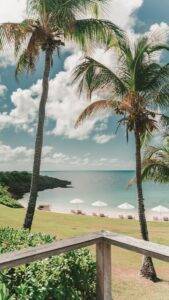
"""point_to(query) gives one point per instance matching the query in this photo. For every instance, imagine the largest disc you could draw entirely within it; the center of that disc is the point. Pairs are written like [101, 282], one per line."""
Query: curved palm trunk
[147, 269]
[38, 144]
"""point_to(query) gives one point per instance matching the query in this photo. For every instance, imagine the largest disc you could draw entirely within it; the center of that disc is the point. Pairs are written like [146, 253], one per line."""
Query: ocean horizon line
[91, 170]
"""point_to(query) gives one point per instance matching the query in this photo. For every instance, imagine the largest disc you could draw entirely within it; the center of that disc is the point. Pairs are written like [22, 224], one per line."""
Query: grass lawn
[127, 285]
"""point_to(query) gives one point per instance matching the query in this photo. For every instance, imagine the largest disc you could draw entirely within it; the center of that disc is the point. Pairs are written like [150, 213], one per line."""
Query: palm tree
[136, 90]
[156, 163]
[50, 24]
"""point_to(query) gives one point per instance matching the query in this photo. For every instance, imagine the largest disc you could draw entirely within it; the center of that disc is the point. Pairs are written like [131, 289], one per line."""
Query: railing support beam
[103, 259]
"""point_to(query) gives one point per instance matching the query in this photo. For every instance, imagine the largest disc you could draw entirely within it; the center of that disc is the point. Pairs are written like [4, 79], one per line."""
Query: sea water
[106, 186]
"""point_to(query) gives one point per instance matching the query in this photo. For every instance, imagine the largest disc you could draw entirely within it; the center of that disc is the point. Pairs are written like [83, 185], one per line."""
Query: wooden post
[103, 257]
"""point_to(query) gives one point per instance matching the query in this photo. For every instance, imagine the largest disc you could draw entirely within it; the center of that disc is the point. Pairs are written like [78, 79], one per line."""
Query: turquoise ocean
[106, 186]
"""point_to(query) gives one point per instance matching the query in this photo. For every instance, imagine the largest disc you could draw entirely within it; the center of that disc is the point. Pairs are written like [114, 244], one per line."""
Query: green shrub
[4, 293]
[64, 277]
[6, 198]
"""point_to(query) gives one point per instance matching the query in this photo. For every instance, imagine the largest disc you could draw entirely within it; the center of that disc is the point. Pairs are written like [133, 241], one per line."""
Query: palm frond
[88, 32]
[96, 107]
[16, 33]
[164, 120]
[25, 64]
[92, 75]
[155, 170]
[157, 86]
[156, 163]
[142, 65]
[156, 48]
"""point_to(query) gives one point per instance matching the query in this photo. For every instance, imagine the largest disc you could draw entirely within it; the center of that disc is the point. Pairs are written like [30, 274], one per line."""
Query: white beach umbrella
[77, 202]
[99, 204]
[160, 209]
[126, 206]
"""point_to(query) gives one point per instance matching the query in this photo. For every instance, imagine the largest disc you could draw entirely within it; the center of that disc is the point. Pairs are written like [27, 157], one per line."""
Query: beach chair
[44, 207]
[130, 217]
[79, 212]
[155, 218]
[102, 215]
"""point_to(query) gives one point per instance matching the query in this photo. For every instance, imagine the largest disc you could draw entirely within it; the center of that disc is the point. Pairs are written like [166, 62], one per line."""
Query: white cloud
[8, 154]
[103, 138]
[64, 105]
[21, 158]
[12, 10]
[121, 12]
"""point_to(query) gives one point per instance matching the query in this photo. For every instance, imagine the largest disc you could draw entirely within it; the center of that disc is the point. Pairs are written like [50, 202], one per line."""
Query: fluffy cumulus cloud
[63, 107]
[64, 104]
[25, 108]
[12, 10]
[103, 138]
[122, 12]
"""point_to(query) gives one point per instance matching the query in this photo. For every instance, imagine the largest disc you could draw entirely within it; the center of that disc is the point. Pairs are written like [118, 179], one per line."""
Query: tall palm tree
[156, 163]
[50, 23]
[136, 90]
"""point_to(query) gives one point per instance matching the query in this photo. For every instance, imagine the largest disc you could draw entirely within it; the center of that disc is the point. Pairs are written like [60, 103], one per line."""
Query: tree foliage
[68, 276]
[137, 89]
[156, 163]
[52, 22]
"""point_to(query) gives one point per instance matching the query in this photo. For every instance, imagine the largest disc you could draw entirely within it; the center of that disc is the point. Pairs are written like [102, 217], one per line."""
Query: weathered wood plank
[154, 250]
[103, 260]
[24, 256]
[37, 253]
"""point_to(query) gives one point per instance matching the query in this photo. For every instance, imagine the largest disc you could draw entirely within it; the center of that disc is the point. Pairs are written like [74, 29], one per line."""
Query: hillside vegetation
[18, 183]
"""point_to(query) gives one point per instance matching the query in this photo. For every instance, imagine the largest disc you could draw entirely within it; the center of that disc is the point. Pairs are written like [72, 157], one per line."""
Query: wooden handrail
[103, 241]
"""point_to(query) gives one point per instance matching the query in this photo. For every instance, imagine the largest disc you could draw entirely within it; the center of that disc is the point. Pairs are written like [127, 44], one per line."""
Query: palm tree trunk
[147, 269]
[38, 144]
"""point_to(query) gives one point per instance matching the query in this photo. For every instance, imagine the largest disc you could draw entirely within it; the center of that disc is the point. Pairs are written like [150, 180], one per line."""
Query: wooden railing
[103, 241]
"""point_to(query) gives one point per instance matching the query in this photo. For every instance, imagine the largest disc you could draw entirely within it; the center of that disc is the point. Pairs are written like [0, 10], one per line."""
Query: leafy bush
[64, 277]
[4, 293]
[6, 198]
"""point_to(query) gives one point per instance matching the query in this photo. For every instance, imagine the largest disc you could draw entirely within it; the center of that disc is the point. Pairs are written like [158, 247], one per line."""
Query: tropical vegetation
[69, 276]
[156, 163]
[19, 183]
[49, 24]
[126, 282]
[136, 89]
[6, 198]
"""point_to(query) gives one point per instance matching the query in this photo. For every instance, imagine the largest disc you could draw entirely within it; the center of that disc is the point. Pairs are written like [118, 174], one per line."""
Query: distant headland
[18, 183]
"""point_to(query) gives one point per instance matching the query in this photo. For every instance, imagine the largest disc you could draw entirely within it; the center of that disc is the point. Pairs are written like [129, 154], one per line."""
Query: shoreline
[112, 214]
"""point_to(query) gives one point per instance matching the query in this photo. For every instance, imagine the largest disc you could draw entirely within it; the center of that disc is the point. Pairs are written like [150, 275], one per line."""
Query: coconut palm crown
[52, 22]
[136, 91]
[49, 25]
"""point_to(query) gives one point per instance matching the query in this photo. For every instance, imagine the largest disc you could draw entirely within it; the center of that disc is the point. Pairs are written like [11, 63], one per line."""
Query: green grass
[127, 284]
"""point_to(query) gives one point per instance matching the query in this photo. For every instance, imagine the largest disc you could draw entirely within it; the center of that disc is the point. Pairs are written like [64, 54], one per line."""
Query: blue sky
[95, 146]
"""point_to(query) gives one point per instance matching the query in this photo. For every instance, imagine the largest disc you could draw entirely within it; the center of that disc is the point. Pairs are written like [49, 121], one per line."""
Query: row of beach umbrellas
[124, 206]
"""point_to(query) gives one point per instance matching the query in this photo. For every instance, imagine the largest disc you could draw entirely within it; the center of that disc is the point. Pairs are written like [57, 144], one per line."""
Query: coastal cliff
[18, 183]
